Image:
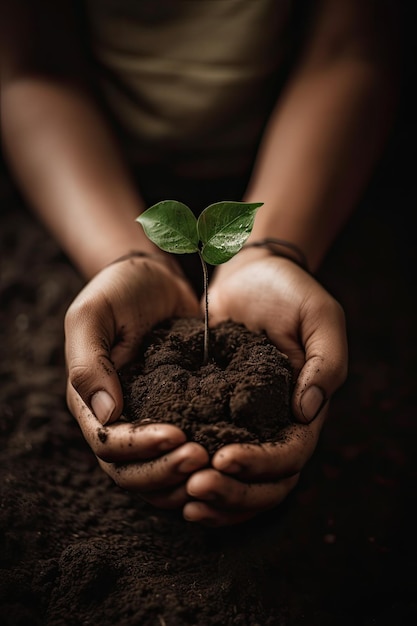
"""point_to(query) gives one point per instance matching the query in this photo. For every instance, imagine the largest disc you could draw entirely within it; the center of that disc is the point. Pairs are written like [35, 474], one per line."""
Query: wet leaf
[172, 226]
[223, 228]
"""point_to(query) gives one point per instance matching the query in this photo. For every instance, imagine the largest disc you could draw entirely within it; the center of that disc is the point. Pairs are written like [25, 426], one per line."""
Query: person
[110, 106]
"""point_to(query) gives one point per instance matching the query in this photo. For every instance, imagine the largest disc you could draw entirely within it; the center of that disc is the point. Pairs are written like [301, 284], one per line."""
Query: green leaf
[172, 226]
[223, 228]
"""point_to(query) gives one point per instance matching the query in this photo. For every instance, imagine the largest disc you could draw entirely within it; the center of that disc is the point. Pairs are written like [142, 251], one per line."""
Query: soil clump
[241, 395]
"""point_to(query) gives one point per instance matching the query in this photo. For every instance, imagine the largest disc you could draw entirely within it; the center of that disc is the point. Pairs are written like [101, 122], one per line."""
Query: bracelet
[131, 255]
[148, 255]
[281, 247]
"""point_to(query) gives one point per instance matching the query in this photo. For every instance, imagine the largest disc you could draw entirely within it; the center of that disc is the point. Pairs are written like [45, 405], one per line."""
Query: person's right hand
[104, 327]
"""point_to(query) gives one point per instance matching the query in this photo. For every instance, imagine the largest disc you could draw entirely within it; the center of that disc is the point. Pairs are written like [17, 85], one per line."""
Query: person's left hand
[272, 294]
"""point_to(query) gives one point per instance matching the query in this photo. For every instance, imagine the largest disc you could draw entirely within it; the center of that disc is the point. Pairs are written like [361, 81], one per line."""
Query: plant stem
[206, 326]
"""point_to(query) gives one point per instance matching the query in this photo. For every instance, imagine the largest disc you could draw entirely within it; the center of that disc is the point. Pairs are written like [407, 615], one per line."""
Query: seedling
[216, 236]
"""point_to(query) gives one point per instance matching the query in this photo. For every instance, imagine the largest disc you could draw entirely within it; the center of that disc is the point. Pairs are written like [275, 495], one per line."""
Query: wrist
[256, 252]
[282, 248]
[302, 226]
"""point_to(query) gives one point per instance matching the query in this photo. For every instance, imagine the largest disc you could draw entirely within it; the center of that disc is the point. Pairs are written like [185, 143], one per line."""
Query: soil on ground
[75, 549]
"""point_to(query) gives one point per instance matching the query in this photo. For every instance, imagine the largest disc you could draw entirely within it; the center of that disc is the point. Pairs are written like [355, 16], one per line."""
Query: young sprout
[216, 236]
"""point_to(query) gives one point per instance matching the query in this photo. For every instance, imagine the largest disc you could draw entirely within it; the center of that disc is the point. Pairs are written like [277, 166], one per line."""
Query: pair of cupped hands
[104, 327]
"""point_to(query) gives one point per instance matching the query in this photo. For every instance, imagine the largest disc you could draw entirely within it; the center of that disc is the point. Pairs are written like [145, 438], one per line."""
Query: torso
[190, 82]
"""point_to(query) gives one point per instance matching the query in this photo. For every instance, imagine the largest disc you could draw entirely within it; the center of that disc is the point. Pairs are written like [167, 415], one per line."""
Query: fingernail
[103, 406]
[312, 402]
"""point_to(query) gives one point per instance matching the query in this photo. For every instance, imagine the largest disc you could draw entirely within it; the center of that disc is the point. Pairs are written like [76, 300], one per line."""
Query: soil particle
[102, 435]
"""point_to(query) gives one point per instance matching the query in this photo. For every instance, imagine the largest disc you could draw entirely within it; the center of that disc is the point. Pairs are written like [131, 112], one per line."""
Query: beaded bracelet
[281, 247]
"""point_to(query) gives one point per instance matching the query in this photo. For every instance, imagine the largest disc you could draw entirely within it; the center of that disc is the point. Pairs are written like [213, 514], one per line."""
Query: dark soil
[241, 395]
[77, 550]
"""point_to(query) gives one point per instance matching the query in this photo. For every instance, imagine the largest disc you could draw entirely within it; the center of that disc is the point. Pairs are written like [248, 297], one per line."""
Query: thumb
[91, 372]
[324, 371]
[315, 385]
[98, 385]
[311, 394]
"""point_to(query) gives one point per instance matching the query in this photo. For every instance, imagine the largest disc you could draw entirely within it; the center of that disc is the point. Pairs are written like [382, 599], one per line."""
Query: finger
[223, 500]
[160, 473]
[91, 372]
[169, 498]
[173, 498]
[326, 358]
[271, 461]
[123, 442]
[223, 491]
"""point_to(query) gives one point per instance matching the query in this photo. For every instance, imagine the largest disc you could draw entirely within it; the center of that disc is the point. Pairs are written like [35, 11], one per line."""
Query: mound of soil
[241, 395]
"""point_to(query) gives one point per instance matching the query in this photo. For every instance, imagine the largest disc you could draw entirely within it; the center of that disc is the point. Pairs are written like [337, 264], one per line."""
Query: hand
[305, 322]
[104, 327]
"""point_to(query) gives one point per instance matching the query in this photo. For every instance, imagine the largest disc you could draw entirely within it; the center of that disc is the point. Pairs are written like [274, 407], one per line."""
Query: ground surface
[76, 550]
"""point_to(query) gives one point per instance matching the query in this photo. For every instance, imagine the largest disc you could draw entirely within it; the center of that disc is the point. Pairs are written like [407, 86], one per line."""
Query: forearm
[67, 165]
[320, 147]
